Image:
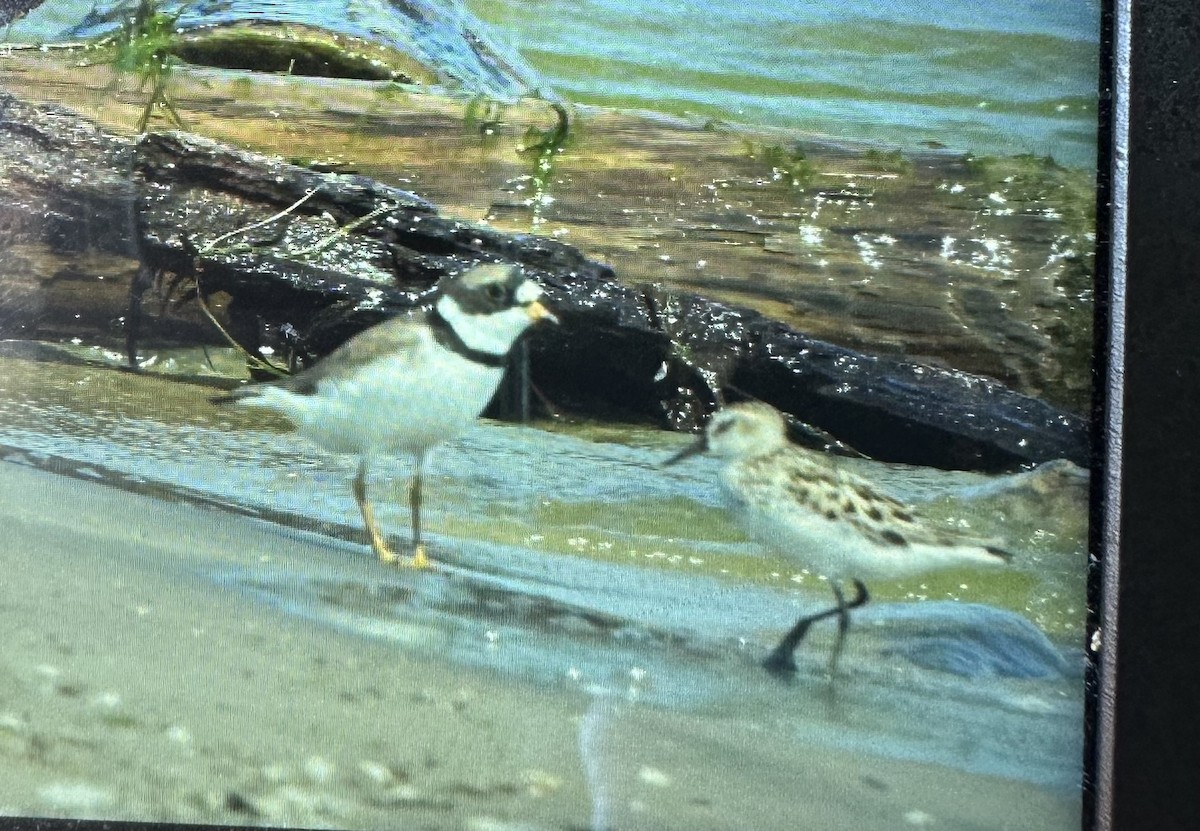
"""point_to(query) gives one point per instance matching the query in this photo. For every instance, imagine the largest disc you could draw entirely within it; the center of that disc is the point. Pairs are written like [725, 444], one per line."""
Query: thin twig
[342, 231]
[257, 362]
[308, 194]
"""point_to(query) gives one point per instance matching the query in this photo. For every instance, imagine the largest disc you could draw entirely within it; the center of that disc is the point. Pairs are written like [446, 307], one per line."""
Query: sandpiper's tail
[999, 553]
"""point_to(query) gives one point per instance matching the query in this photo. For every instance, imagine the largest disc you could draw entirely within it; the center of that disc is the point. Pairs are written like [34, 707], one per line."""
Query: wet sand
[133, 685]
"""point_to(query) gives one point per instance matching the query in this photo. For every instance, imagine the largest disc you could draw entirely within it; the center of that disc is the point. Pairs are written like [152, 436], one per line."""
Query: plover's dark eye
[497, 292]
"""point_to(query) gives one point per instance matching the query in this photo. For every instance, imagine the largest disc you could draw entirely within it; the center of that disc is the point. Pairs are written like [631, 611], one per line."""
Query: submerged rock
[970, 639]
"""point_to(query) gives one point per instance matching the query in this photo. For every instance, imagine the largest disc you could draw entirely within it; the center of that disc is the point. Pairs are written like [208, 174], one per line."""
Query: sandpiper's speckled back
[806, 506]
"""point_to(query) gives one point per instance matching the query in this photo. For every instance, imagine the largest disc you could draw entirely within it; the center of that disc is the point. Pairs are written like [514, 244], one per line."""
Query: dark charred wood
[301, 260]
[13, 10]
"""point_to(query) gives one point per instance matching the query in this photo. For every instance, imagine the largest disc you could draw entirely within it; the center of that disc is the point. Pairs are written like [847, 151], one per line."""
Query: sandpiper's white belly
[840, 549]
[822, 546]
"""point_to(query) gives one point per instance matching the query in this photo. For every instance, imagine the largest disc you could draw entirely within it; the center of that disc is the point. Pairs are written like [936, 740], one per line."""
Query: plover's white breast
[399, 402]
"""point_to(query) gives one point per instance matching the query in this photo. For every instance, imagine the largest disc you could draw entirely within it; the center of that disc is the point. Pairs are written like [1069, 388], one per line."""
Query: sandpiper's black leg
[781, 659]
[414, 503]
[843, 621]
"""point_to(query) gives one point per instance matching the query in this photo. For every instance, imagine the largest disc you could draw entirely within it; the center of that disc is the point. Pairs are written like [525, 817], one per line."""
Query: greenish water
[1006, 78]
[998, 78]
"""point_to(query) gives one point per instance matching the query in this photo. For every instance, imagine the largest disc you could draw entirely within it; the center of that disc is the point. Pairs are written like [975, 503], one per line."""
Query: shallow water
[584, 565]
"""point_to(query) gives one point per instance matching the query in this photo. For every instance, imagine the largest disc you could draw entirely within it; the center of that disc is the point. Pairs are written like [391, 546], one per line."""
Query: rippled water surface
[995, 78]
[1004, 77]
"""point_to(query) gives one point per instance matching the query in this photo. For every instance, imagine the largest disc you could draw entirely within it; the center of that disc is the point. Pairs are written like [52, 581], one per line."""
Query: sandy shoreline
[133, 686]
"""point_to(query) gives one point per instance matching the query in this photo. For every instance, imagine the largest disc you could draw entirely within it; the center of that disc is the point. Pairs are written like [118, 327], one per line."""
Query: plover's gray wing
[399, 338]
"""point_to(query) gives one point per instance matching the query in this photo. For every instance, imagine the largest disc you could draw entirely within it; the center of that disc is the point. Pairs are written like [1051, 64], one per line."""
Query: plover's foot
[386, 555]
[421, 560]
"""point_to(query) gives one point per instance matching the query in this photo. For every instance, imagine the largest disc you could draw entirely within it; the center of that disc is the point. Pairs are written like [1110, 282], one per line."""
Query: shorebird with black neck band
[806, 506]
[409, 384]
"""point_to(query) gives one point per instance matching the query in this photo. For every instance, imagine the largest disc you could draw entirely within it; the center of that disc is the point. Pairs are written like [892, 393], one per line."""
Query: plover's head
[490, 305]
[739, 430]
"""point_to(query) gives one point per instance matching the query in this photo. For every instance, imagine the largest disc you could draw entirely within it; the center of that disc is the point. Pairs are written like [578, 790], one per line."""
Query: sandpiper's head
[745, 429]
[739, 430]
[490, 305]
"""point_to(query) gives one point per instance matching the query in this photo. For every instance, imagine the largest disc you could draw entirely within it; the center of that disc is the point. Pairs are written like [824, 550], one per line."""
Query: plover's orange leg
[420, 559]
[378, 543]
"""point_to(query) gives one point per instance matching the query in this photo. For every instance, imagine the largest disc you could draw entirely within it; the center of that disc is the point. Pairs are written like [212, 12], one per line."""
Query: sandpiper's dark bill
[808, 508]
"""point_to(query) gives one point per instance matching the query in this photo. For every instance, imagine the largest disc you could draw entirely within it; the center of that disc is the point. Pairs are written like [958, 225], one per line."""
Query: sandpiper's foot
[780, 663]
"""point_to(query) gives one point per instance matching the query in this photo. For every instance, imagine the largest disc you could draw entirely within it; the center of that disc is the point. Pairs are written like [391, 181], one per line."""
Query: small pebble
[375, 772]
[318, 770]
[541, 783]
[654, 776]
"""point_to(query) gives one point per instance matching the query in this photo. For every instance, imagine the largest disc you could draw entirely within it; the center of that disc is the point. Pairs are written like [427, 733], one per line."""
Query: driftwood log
[297, 260]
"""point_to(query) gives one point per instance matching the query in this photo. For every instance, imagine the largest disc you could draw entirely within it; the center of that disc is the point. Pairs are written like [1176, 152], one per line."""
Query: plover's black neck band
[445, 335]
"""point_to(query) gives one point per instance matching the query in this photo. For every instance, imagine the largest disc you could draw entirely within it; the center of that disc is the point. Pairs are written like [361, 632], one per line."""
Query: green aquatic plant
[543, 148]
[242, 86]
[789, 165]
[143, 47]
[391, 91]
[889, 161]
[1040, 181]
[484, 116]
[995, 166]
